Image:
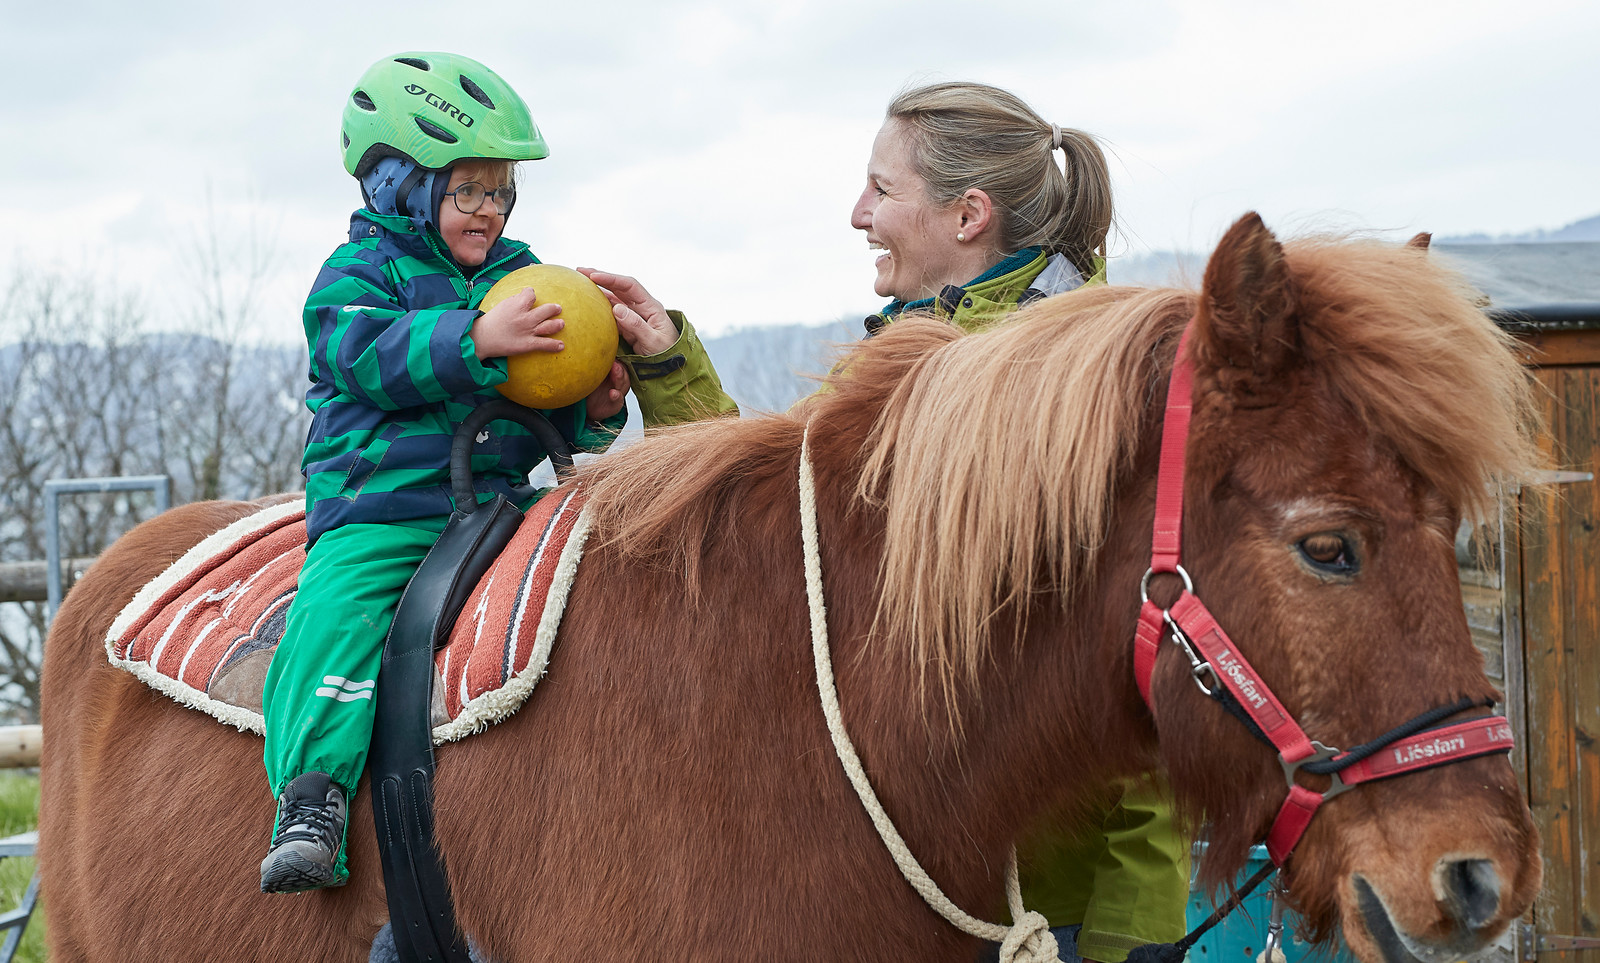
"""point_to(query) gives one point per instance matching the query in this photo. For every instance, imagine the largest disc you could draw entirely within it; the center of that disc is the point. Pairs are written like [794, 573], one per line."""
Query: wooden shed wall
[1531, 589]
[1560, 582]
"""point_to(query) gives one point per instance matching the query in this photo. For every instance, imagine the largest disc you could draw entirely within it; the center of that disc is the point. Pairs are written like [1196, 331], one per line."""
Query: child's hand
[515, 326]
[641, 319]
[607, 399]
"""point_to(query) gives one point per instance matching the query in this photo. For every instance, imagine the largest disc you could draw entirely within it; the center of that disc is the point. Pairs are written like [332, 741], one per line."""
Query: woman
[975, 217]
[965, 197]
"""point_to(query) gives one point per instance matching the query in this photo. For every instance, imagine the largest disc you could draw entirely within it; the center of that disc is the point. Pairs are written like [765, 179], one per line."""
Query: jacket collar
[994, 293]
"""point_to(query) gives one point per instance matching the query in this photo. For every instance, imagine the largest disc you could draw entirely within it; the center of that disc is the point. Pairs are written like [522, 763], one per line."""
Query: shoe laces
[310, 820]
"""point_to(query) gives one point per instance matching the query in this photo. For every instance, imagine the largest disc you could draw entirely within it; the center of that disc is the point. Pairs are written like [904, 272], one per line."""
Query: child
[398, 360]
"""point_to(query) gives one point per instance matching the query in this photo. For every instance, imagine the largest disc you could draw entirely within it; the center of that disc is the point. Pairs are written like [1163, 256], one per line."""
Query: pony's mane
[975, 517]
[978, 517]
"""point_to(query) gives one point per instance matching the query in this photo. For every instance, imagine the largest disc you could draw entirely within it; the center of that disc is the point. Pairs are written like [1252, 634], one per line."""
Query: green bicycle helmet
[435, 109]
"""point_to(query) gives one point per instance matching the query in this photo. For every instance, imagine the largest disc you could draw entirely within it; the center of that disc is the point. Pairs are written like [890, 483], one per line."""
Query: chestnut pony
[985, 506]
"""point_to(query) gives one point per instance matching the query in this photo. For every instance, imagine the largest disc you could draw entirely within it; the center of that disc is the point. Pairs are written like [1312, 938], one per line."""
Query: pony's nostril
[1471, 891]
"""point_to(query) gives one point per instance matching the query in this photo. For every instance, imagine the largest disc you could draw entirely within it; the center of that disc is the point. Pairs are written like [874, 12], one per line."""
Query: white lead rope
[1028, 939]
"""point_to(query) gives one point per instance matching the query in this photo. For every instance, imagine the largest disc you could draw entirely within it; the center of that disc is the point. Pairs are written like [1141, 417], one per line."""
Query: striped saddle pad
[204, 630]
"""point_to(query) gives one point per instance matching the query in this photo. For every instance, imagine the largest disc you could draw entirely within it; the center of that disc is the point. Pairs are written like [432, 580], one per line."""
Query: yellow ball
[555, 379]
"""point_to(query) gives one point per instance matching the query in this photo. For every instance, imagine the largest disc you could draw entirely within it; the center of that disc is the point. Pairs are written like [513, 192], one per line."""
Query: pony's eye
[1328, 552]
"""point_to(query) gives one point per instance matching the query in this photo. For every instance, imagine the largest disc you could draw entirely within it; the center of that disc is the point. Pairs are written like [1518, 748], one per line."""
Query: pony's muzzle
[1467, 892]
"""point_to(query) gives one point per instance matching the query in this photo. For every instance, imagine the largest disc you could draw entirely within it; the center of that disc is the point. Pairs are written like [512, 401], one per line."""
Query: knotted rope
[1028, 939]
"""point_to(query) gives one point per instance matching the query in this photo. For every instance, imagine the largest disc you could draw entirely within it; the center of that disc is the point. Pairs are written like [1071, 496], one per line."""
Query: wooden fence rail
[19, 746]
[25, 581]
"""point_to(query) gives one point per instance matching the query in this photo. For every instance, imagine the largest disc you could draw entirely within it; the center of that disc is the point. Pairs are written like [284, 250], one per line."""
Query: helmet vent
[363, 101]
[346, 139]
[435, 131]
[475, 92]
[416, 62]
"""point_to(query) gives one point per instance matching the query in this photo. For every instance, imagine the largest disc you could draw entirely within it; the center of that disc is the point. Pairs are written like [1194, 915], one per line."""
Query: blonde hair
[500, 170]
[967, 135]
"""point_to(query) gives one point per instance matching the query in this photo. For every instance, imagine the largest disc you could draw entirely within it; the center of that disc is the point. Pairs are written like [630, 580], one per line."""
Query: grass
[19, 812]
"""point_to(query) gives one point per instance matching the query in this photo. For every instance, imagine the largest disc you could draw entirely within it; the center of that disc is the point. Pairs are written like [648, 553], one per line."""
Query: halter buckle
[1322, 753]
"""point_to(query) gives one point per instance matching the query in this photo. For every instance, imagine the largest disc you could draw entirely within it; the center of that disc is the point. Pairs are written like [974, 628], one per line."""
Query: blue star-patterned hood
[398, 186]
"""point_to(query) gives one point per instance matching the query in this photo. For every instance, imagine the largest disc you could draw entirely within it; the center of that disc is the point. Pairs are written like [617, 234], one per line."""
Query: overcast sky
[714, 149]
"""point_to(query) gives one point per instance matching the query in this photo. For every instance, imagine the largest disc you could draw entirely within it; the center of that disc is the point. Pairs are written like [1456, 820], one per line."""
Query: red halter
[1224, 674]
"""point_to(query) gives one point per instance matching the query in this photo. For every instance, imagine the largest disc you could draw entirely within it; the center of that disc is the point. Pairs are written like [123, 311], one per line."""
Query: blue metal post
[161, 485]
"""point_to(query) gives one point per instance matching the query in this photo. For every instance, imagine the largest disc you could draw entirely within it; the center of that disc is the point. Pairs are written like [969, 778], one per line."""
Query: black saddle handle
[501, 409]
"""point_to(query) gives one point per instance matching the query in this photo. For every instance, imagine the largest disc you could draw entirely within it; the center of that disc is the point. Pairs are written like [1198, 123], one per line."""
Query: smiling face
[469, 236]
[917, 235]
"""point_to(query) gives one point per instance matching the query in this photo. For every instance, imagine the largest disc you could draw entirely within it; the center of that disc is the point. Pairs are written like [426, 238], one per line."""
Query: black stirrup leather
[400, 762]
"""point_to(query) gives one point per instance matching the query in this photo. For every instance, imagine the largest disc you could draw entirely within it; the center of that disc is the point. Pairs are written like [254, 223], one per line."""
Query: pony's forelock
[1444, 387]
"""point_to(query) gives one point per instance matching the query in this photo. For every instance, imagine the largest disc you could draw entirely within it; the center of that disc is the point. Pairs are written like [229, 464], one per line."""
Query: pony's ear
[1420, 241]
[1246, 314]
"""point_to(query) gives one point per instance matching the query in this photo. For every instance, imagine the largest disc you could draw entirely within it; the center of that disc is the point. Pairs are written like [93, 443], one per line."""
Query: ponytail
[966, 135]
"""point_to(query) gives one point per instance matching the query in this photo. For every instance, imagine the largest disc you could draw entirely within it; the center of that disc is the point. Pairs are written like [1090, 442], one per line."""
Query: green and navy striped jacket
[394, 372]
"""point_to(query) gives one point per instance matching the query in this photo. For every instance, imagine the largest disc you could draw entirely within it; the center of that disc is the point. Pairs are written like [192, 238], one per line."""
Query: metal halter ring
[1144, 583]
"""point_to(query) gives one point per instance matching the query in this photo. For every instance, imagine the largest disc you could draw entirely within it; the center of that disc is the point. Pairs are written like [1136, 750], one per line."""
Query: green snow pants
[318, 695]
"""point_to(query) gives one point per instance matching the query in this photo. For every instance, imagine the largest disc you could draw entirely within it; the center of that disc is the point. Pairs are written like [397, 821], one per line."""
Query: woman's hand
[641, 319]
[515, 326]
[607, 399]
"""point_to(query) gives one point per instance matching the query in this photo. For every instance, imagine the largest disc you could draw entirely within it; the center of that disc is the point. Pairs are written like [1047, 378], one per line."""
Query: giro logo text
[439, 102]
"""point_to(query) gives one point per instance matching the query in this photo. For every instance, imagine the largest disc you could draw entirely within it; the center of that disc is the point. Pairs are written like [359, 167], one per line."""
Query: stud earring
[961, 237]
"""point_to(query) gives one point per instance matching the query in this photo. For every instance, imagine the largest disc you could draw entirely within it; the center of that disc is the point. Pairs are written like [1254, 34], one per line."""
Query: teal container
[1240, 937]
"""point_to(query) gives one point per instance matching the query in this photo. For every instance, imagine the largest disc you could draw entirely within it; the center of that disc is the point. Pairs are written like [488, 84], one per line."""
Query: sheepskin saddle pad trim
[204, 630]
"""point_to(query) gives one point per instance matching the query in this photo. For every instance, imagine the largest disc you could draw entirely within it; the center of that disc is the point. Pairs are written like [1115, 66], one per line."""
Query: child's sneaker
[305, 848]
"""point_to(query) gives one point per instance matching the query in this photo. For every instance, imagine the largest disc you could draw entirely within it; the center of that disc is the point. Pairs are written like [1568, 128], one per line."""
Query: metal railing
[19, 748]
[55, 488]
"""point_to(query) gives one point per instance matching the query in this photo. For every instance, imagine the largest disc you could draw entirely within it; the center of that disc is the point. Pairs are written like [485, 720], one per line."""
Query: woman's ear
[974, 214]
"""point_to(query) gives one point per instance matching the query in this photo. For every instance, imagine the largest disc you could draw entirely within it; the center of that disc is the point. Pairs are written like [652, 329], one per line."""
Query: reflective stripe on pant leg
[317, 698]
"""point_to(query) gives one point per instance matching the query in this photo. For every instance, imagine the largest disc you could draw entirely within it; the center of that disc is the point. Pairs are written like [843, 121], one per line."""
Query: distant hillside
[1520, 272]
[769, 369]
[1157, 269]
[1534, 267]
[1587, 229]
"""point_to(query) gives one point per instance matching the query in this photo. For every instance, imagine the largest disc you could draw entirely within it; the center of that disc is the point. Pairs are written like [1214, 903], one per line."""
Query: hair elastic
[1055, 137]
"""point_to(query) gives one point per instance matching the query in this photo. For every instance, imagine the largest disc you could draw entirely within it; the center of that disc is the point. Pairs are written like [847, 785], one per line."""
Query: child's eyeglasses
[470, 196]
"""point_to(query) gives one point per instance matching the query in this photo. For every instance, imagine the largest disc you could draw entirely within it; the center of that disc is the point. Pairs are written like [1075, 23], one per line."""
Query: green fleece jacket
[1125, 875]
[677, 385]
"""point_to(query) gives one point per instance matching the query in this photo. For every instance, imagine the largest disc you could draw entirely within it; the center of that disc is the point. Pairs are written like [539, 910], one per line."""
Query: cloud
[714, 148]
